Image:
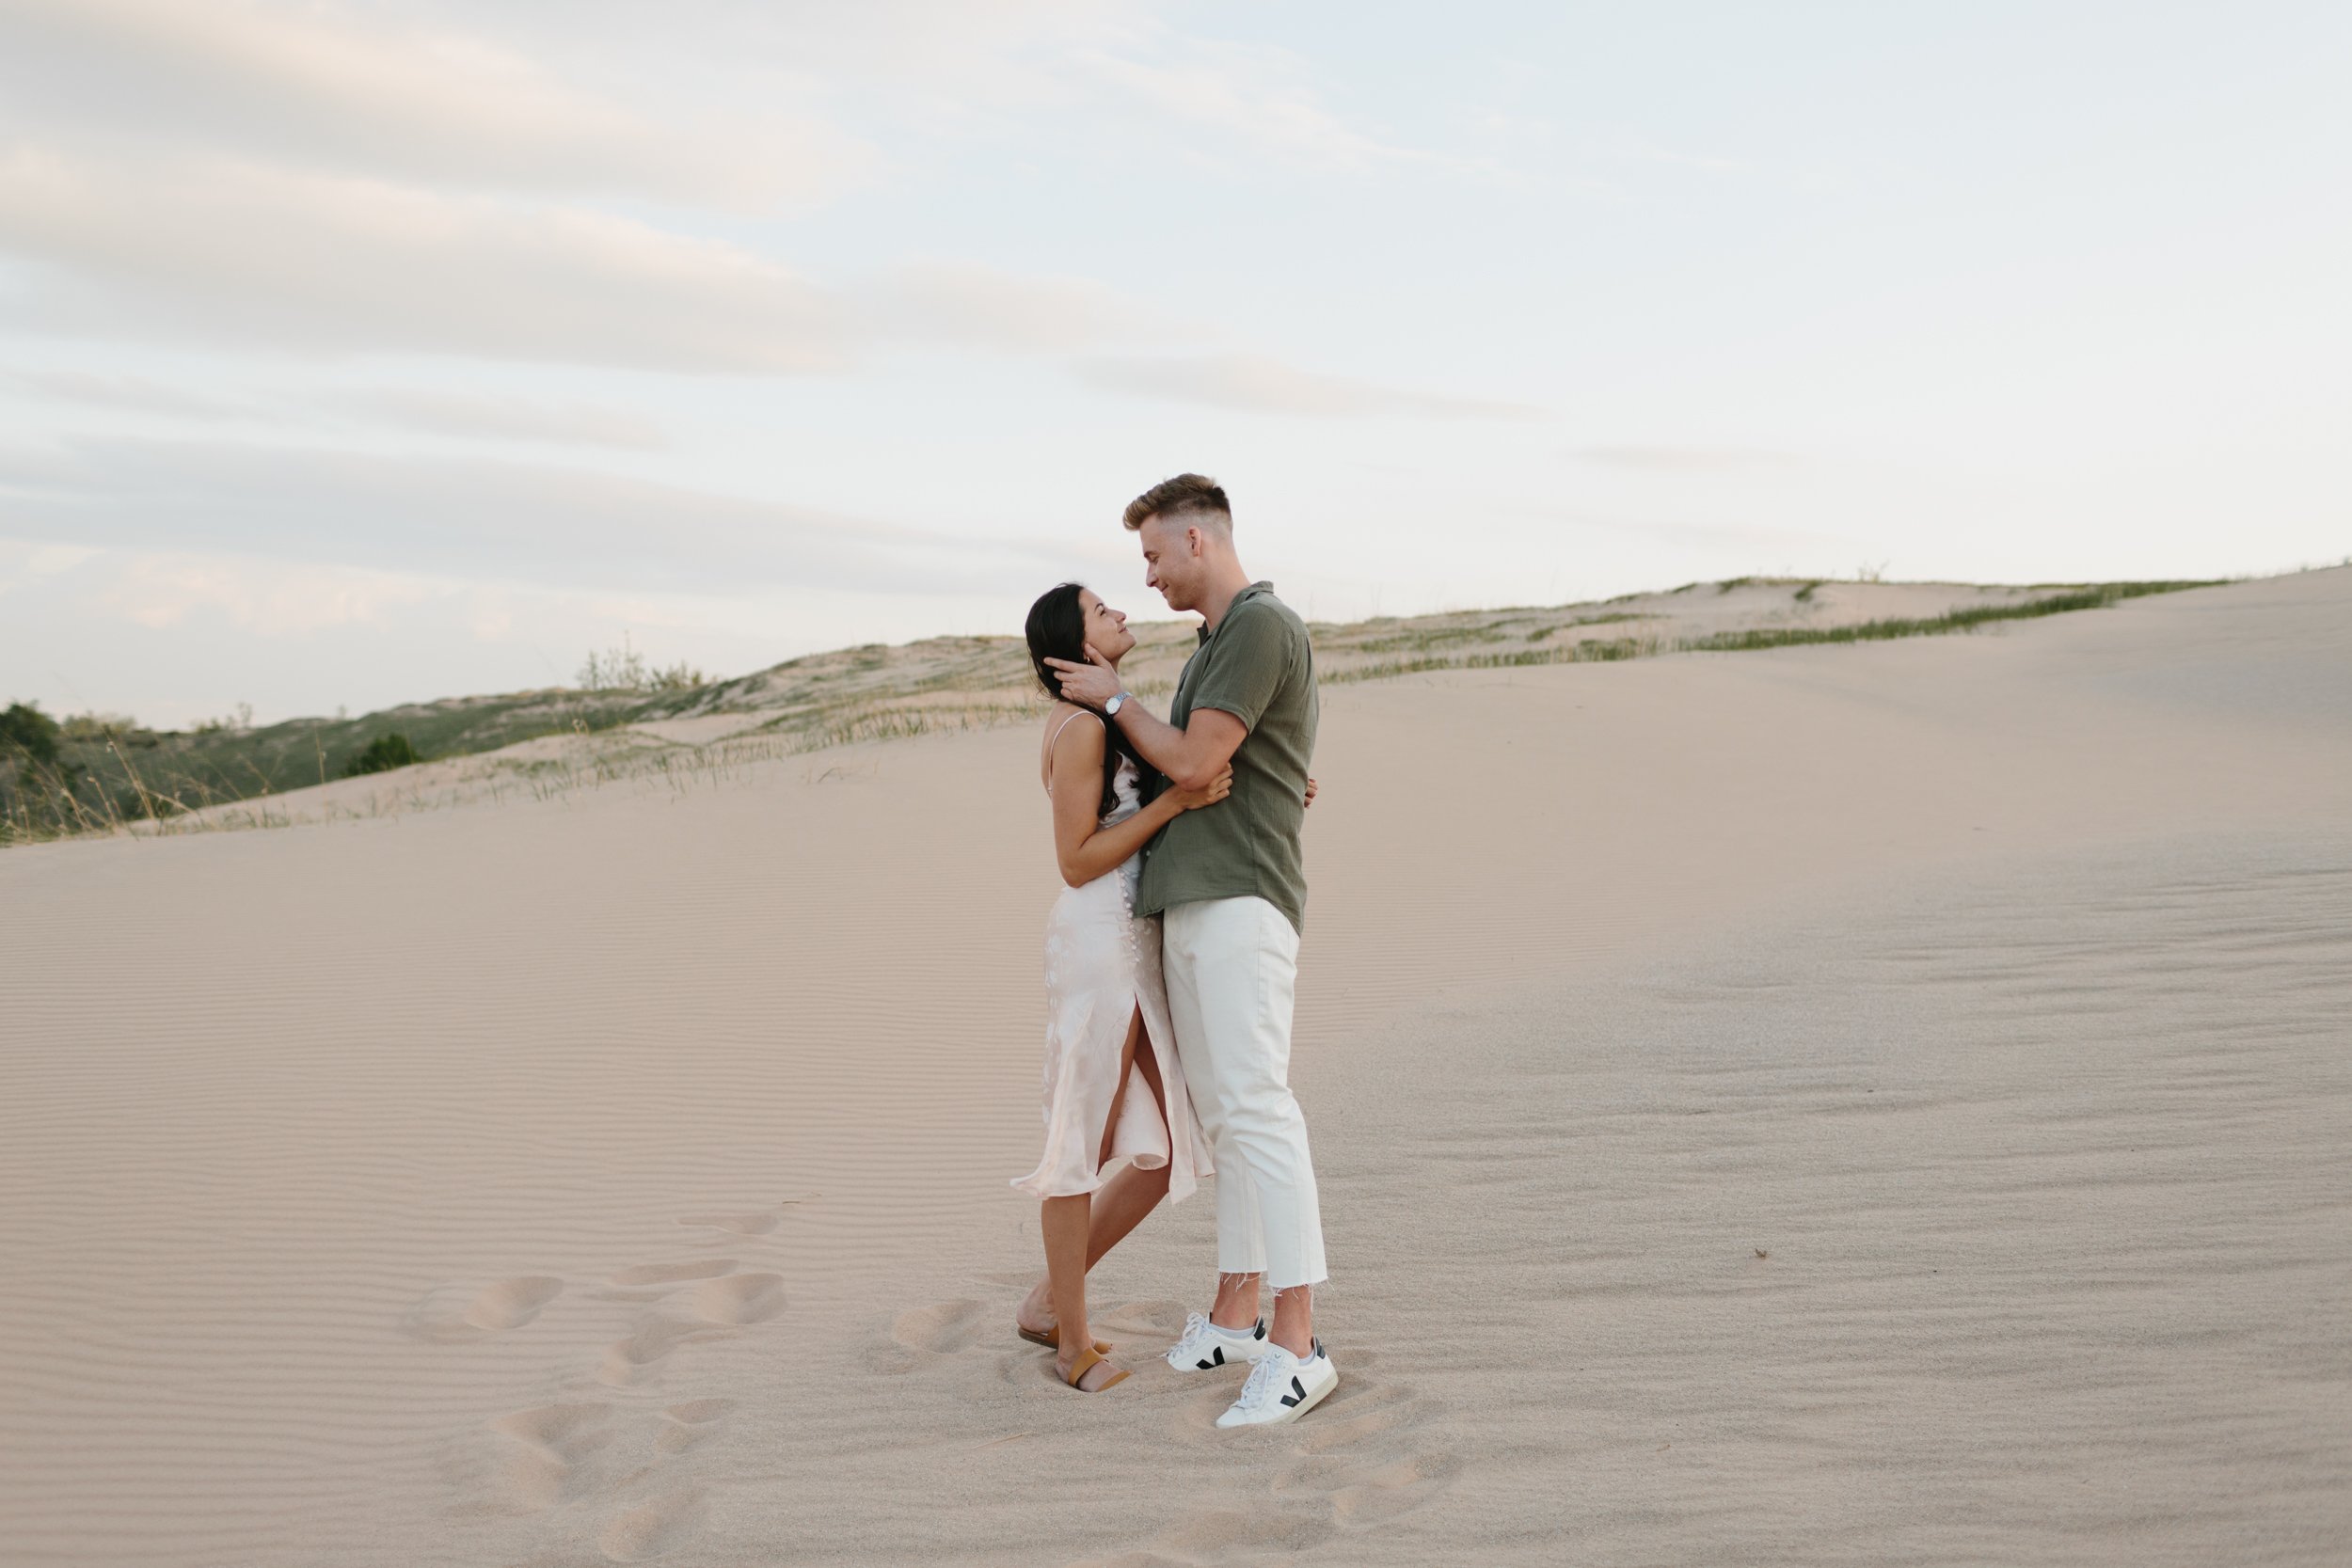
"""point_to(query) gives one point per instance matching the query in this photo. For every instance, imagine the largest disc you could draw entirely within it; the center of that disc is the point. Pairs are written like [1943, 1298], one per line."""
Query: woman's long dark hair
[1057, 629]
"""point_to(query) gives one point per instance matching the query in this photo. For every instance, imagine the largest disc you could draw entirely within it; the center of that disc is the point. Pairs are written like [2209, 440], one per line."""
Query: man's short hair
[1186, 495]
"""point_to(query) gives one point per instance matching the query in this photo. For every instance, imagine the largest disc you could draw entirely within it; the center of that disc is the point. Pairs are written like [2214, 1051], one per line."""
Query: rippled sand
[1861, 1104]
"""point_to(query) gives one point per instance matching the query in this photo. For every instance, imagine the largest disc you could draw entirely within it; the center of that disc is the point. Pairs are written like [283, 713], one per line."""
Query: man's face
[1171, 561]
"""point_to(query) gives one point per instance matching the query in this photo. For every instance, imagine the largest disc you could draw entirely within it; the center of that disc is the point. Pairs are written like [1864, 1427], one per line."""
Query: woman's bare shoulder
[1060, 718]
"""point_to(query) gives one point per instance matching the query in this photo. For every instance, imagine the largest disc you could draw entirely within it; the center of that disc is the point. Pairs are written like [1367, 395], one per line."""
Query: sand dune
[1876, 1104]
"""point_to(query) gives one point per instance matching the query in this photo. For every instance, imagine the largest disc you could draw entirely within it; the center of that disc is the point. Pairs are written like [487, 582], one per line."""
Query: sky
[353, 352]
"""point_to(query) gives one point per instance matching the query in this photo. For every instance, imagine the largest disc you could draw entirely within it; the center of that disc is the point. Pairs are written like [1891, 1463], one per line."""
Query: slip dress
[1102, 969]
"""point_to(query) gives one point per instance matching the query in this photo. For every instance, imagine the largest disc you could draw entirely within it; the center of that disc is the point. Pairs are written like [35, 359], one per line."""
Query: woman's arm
[1085, 852]
[1194, 754]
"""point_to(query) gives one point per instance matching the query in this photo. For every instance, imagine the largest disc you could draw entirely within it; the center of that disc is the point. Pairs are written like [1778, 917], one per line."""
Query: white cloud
[482, 417]
[311, 83]
[132, 394]
[972, 305]
[479, 521]
[268, 598]
[243, 254]
[1250, 98]
[25, 565]
[1253, 383]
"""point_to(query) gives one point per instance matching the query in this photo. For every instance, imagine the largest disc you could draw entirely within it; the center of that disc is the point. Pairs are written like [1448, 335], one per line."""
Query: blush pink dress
[1101, 968]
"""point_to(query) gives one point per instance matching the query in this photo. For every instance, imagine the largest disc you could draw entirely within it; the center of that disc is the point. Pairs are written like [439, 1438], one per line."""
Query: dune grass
[1959, 620]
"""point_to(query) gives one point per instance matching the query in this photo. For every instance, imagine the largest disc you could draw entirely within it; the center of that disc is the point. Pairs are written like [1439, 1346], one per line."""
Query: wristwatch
[1111, 708]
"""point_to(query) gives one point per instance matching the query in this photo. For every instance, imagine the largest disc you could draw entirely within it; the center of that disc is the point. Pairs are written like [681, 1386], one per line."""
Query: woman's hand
[1207, 795]
[1310, 789]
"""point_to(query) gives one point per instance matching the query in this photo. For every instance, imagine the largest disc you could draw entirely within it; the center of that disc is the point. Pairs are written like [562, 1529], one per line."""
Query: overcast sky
[353, 352]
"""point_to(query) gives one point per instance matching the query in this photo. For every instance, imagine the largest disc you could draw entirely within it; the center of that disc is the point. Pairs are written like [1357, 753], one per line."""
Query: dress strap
[1055, 739]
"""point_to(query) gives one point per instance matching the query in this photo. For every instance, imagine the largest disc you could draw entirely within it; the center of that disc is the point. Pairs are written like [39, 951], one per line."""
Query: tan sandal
[1086, 1362]
[1051, 1340]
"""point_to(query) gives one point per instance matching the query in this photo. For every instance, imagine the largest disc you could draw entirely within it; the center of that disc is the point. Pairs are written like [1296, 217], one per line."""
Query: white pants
[1231, 965]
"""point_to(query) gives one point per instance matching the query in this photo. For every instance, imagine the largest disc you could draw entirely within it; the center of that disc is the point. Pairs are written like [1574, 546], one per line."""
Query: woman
[1112, 1088]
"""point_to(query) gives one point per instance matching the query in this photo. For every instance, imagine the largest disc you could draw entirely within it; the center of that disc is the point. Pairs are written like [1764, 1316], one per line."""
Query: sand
[1848, 1105]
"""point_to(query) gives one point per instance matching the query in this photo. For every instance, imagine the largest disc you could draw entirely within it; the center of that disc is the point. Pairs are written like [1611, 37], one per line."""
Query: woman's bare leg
[1126, 1198]
[1120, 1204]
[1064, 1222]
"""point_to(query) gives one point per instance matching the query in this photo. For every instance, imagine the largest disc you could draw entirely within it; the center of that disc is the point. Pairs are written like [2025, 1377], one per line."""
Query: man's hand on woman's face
[1089, 684]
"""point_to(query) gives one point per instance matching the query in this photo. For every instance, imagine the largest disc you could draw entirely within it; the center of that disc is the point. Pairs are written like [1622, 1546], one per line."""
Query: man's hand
[1089, 684]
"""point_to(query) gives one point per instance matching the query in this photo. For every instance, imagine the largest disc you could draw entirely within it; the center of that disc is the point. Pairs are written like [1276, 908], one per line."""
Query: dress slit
[1128, 1072]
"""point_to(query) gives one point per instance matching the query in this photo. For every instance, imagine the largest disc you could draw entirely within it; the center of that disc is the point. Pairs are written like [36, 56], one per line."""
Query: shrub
[624, 669]
[383, 753]
[29, 736]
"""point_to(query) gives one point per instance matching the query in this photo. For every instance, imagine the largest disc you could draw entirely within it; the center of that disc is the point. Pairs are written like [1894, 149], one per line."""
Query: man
[1230, 884]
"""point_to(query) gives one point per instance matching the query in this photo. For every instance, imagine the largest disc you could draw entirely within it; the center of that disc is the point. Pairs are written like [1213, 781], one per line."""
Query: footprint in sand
[739, 1299]
[653, 1527]
[630, 1360]
[1366, 1449]
[947, 1329]
[685, 1425]
[454, 1314]
[647, 1282]
[590, 1451]
[1361, 1458]
[544, 1451]
[751, 1222]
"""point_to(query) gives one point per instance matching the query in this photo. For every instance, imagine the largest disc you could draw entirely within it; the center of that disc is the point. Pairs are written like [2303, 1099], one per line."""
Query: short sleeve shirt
[1257, 665]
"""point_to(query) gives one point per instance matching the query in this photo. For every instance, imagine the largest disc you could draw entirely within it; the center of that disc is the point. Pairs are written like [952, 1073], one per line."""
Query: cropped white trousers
[1231, 967]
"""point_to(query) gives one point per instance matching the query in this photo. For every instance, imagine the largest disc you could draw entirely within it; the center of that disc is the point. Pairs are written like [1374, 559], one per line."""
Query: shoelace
[1194, 1324]
[1264, 1377]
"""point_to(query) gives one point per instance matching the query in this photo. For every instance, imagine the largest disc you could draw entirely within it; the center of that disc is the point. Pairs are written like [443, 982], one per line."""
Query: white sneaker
[1281, 1387]
[1205, 1346]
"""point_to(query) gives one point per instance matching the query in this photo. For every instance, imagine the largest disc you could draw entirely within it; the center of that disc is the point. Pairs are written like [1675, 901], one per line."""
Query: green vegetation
[37, 783]
[1572, 652]
[28, 736]
[1958, 620]
[381, 755]
[624, 669]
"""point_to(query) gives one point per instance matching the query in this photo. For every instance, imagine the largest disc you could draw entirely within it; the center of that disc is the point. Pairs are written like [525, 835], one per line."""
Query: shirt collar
[1250, 592]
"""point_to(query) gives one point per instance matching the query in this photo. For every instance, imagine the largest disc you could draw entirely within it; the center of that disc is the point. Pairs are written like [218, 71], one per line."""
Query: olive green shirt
[1257, 665]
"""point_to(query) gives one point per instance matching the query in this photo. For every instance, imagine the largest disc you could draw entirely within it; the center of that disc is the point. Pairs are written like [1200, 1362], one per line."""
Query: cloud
[1688, 461]
[23, 563]
[1253, 383]
[480, 520]
[484, 418]
[1252, 97]
[135, 394]
[274, 600]
[967, 304]
[323, 86]
[245, 254]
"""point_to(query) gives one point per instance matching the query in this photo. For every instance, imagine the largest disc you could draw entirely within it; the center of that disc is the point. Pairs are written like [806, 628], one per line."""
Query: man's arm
[1190, 756]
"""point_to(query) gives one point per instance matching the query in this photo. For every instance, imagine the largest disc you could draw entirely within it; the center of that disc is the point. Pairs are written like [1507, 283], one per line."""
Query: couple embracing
[1170, 960]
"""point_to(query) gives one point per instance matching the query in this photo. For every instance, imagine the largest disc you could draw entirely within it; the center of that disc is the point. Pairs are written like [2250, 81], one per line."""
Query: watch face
[1113, 707]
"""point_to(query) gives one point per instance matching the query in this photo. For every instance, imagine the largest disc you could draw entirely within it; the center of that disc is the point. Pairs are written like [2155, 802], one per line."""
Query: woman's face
[1106, 628]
